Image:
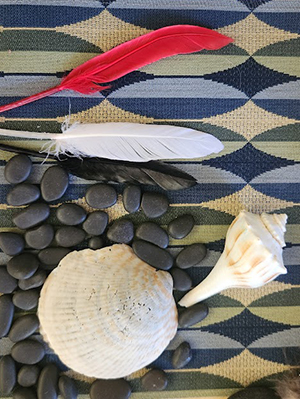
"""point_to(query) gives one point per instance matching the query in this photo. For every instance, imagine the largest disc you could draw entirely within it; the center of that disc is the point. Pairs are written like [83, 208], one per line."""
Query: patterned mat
[246, 94]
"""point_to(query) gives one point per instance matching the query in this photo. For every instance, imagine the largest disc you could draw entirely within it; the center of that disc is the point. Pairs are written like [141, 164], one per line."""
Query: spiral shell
[251, 258]
[106, 313]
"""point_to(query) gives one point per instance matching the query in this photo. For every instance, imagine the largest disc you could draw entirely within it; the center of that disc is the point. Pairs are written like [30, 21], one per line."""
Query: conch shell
[106, 313]
[252, 256]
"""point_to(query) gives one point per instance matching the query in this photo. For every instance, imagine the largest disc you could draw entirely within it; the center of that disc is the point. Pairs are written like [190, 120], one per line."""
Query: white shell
[251, 258]
[106, 313]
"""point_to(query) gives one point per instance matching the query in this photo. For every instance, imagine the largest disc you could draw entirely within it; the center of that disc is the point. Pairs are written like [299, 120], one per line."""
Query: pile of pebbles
[40, 247]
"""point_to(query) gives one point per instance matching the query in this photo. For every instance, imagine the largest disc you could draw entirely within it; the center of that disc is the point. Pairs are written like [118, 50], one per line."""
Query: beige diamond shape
[248, 295]
[249, 199]
[106, 112]
[251, 34]
[249, 120]
[245, 368]
[103, 30]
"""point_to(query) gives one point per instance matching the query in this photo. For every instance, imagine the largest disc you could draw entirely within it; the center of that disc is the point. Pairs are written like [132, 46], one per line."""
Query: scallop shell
[106, 313]
[251, 258]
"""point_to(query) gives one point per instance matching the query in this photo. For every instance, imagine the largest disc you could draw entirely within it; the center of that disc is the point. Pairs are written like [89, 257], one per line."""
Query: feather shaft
[131, 55]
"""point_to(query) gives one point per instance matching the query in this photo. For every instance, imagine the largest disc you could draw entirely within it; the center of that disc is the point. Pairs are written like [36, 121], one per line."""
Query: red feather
[129, 56]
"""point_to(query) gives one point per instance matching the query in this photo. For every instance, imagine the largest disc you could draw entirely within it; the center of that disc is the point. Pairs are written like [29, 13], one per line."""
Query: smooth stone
[18, 169]
[67, 387]
[28, 351]
[50, 257]
[190, 256]
[69, 236]
[110, 389]
[26, 300]
[154, 380]
[7, 283]
[39, 237]
[255, 393]
[47, 386]
[96, 222]
[54, 183]
[96, 243]
[182, 355]
[121, 231]
[153, 233]
[181, 226]
[11, 243]
[7, 310]
[28, 375]
[23, 327]
[132, 196]
[23, 194]
[23, 266]
[70, 214]
[24, 393]
[101, 196]
[153, 255]
[181, 280]
[192, 315]
[35, 281]
[8, 374]
[31, 216]
[154, 204]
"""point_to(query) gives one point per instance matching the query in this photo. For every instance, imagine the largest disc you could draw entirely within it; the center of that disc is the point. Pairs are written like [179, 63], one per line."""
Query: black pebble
[39, 237]
[70, 214]
[190, 256]
[28, 375]
[8, 375]
[28, 351]
[255, 393]
[67, 387]
[26, 300]
[69, 236]
[192, 315]
[24, 393]
[96, 243]
[110, 389]
[23, 266]
[50, 257]
[181, 280]
[23, 327]
[101, 196]
[151, 232]
[6, 314]
[181, 226]
[154, 204]
[132, 198]
[153, 255]
[7, 283]
[121, 231]
[31, 216]
[23, 194]
[54, 183]
[47, 387]
[11, 243]
[95, 223]
[182, 355]
[154, 380]
[18, 169]
[35, 281]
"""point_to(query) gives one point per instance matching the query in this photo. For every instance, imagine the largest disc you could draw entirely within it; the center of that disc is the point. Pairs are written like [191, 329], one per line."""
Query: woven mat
[245, 94]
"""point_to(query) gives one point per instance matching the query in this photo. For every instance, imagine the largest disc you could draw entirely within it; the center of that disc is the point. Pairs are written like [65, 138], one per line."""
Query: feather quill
[131, 55]
[127, 141]
[105, 170]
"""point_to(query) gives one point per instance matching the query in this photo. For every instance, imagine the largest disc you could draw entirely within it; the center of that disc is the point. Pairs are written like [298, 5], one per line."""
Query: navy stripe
[289, 108]
[289, 21]
[284, 191]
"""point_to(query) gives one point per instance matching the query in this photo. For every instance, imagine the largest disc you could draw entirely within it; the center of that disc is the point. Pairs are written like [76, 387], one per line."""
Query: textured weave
[246, 94]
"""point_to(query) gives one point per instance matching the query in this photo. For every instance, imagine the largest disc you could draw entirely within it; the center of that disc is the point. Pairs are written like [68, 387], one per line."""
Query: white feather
[128, 141]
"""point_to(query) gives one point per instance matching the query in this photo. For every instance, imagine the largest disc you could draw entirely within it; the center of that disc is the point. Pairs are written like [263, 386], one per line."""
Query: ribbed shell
[106, 313]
